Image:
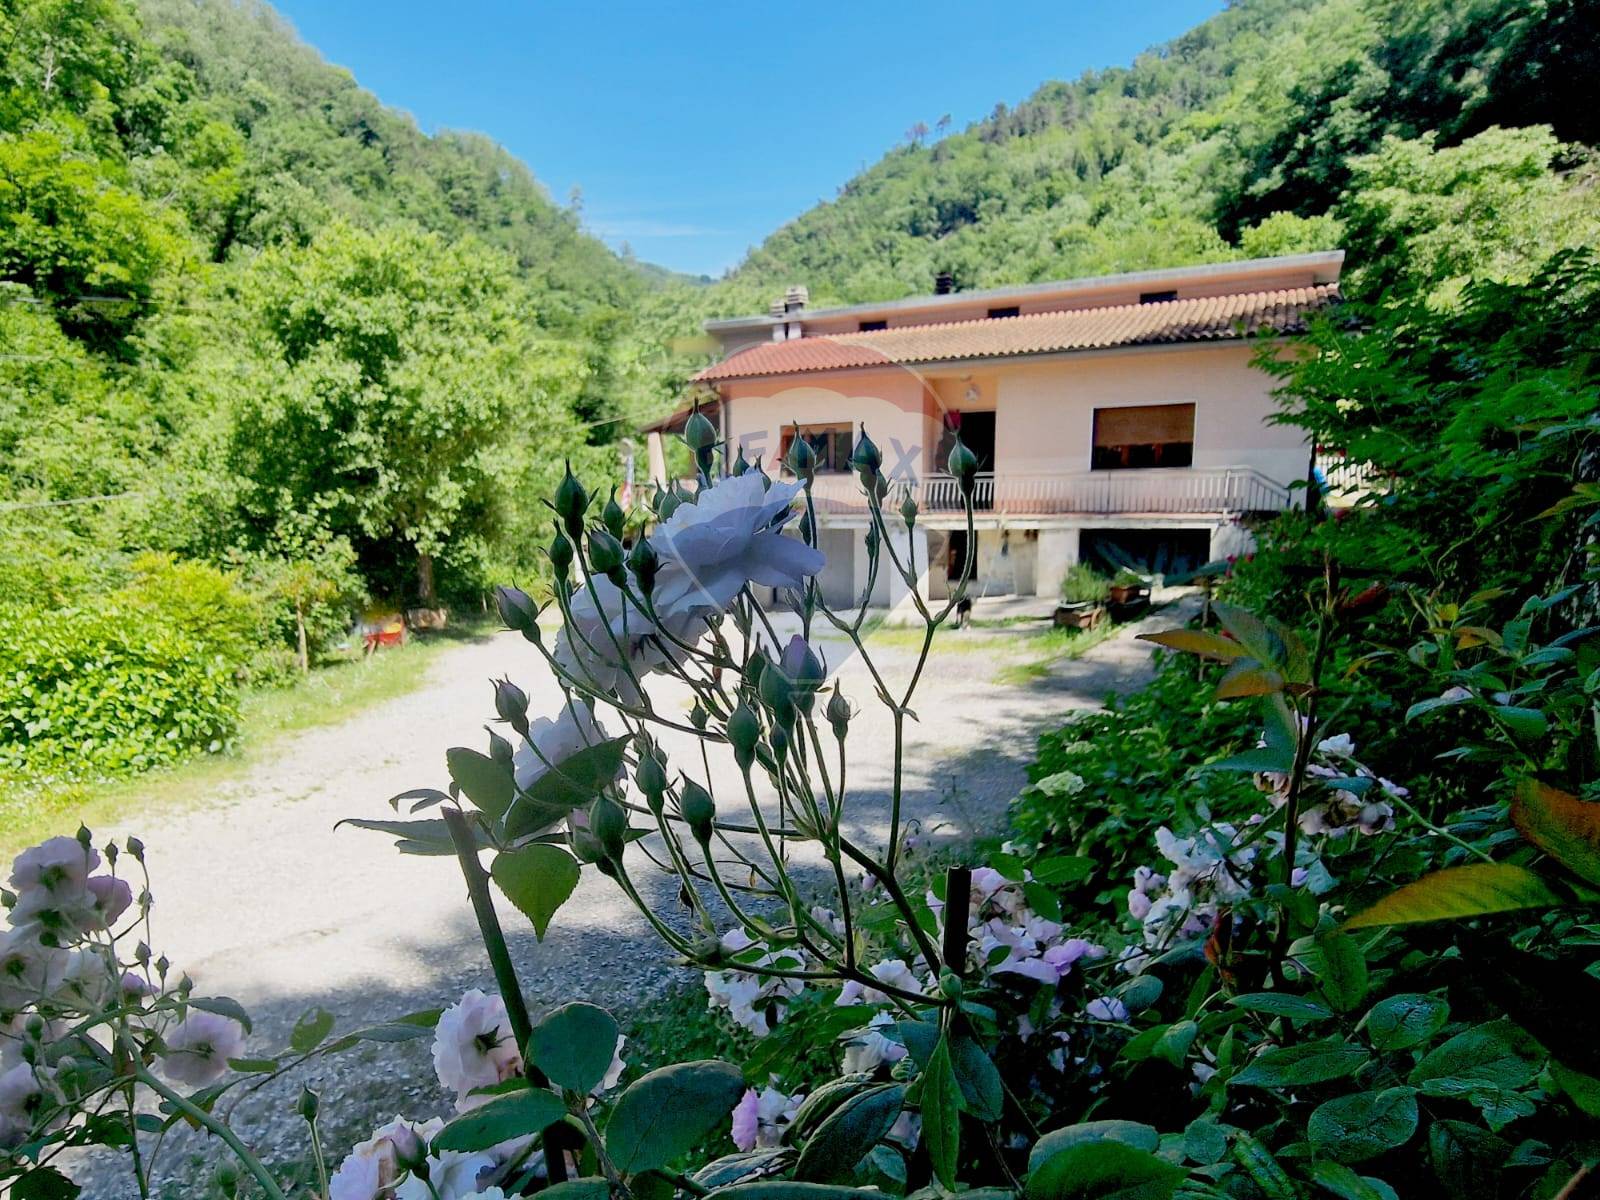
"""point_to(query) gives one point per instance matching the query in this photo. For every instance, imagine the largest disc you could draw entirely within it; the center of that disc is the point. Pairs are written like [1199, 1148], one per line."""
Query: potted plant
[1128, 587]
[1083, 597]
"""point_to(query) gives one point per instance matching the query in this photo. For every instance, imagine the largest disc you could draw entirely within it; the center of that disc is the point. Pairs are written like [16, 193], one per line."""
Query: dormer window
[1010, 310]
[1158, 297]
[872, 326]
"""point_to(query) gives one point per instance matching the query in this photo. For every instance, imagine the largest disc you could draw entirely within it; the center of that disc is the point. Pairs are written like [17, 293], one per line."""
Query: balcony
[1175, 491]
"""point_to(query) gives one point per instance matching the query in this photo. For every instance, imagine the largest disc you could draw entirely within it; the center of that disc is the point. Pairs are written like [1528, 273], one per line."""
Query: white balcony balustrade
[1160, 491]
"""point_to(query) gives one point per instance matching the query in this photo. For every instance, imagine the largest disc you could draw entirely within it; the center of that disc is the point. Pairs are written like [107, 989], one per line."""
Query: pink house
[1116, 419]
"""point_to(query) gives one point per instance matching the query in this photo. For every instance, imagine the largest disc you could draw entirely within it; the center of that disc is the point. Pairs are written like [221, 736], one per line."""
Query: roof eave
[932, 364]
[1325, 266]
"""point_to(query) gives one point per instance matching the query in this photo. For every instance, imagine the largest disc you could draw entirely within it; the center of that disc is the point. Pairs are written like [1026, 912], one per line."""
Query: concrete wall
[838, 579]
[895, 407]
[1044, 421]
[1057, 550]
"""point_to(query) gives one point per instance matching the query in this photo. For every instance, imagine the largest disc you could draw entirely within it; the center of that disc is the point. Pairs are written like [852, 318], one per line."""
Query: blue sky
[693, 130]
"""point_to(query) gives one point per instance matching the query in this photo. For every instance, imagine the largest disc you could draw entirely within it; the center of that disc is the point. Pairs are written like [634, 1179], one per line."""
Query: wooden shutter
[1143, 424]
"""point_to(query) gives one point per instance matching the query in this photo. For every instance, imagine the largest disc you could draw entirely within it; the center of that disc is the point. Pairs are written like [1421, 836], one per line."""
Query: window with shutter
[1143, 435]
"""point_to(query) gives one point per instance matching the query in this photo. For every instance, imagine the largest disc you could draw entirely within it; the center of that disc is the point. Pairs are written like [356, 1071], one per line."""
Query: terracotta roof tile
[1203, 318]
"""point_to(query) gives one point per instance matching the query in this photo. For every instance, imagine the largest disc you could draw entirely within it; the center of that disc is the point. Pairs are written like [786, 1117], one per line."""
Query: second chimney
[944, 283]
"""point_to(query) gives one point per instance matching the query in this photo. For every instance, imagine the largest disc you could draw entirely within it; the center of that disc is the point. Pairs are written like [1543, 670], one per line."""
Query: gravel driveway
[260, 898]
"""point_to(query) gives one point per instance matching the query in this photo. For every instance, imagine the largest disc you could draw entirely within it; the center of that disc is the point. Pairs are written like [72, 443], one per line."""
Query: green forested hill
[265, 344]
[211, 241]
[1196, 151]
[310, 144]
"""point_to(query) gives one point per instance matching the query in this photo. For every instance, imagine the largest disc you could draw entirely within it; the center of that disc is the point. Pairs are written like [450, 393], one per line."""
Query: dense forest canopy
[255, 322]
[1245, 136]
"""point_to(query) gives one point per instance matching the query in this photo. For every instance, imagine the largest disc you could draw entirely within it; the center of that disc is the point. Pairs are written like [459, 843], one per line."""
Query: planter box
[1133, 593]
[1085, 614]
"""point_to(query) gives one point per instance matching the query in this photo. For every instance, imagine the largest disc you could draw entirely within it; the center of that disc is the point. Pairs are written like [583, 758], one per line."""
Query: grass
[31, 810]
[1038, 644]
[1052, 647]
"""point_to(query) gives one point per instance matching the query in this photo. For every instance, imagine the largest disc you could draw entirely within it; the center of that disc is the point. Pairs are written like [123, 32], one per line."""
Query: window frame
[832, 430]
[1170, 454]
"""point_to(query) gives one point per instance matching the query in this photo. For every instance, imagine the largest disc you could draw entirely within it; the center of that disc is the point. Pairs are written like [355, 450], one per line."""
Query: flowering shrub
[1250, 964]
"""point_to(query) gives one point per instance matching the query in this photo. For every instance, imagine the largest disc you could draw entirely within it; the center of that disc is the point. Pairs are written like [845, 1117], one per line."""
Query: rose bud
[669, 504]
[744, 731]
[500, 749]
[645, 563]
[839, 714]
[804, 671]
[963, 464]
[777, 693]
[511, 702]
[740, 465]
[698, 432]
[308, 1104]
[780, 745]
[612, 516]
[651, 777]
[866, 458]
[561, 556]
[908, 509]
[585, 846]
[699, 811]
[802, 459]
[605, 555]
[610, 824]
[571, 502]
[517, 609]
[753, 670]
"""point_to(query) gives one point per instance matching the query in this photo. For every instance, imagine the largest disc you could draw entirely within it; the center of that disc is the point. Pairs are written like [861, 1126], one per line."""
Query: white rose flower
[375, 1164]
[748, 998]
[473, 1047]
[25, 1093]
[54, 890]
[1106, 1008]
[89, 979]
[56, 863]
[451, 1175]
[554, 741]
[893, 972]
[729, 537]
[199, 1046]
[609, 642]
[760, 1118]
[613, 1075]
[867, 1049]
[29, 970]
[1338, 746]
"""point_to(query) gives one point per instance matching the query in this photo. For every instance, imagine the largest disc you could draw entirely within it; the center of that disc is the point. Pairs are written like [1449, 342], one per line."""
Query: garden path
[258, 896]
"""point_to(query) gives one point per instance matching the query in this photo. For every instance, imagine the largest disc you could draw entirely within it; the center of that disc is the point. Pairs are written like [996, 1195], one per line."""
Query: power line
[20, 506]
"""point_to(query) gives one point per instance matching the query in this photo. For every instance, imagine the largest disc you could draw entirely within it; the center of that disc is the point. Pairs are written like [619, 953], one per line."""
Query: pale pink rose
[199, 1046]
[473, 1047]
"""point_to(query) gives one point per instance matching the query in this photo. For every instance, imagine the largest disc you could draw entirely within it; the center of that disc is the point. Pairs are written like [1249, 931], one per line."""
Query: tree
[387, 382]
[1490, 208]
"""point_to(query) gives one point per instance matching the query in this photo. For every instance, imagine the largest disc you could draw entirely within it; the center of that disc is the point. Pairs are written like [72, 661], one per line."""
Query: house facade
[1116, 419]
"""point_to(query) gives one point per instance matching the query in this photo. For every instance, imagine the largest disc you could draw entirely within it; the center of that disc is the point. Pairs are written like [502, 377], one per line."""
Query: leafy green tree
[387, 381]
[1492, 207]
[1286, 233]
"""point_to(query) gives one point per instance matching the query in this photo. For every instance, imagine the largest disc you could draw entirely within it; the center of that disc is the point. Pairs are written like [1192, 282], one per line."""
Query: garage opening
[1147, 551]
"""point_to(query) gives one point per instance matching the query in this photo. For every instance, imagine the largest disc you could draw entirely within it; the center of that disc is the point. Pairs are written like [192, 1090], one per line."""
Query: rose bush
[1267, 930]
